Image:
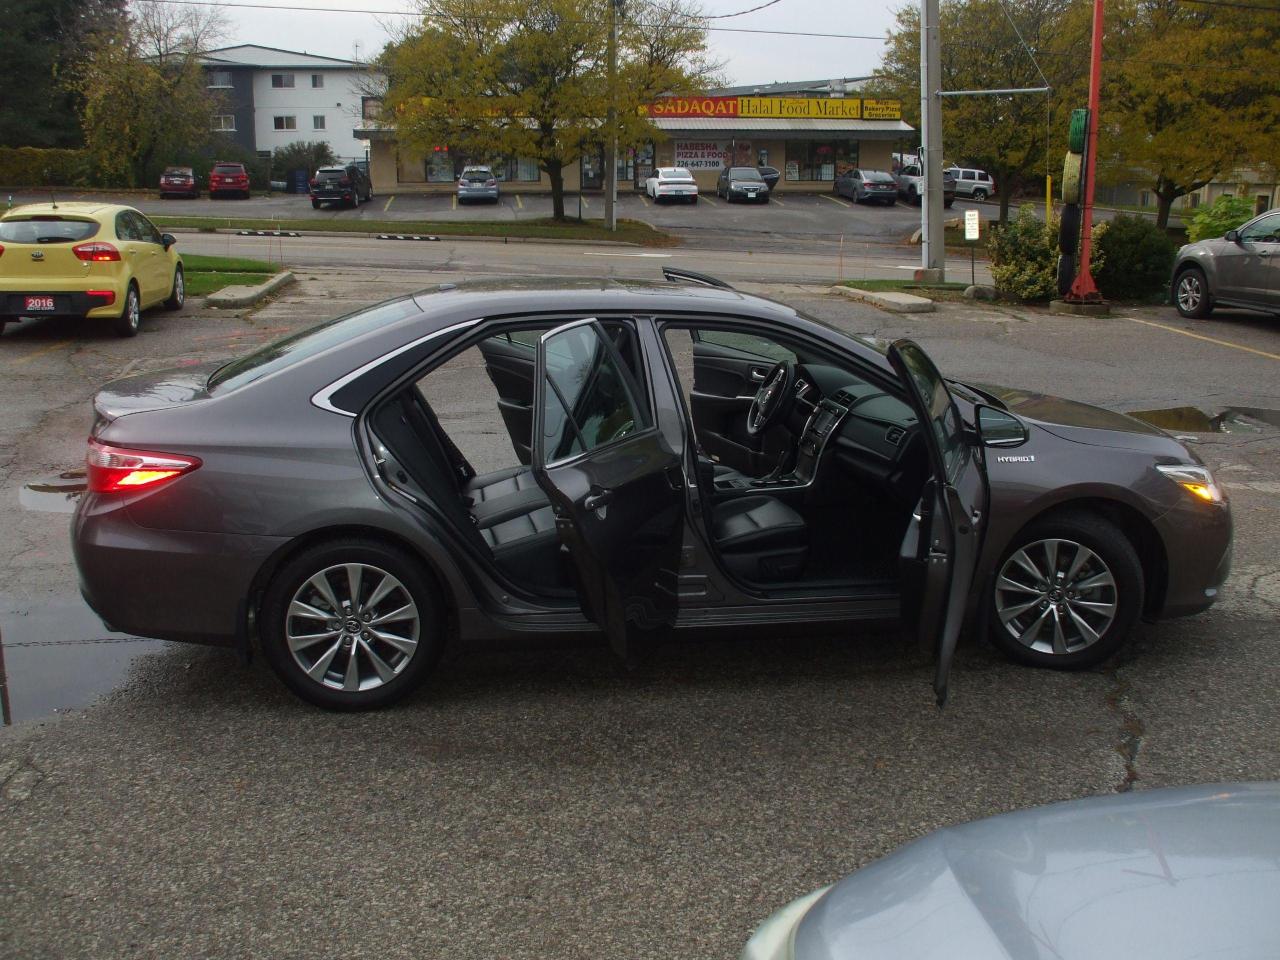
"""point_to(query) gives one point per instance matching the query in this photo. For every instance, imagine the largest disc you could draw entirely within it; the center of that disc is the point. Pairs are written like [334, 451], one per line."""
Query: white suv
[976, 184]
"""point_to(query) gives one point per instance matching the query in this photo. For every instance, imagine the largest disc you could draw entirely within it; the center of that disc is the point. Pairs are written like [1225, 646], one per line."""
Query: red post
[1083, 289]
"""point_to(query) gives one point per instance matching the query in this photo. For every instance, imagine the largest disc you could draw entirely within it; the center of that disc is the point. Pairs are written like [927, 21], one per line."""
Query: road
[544, 803]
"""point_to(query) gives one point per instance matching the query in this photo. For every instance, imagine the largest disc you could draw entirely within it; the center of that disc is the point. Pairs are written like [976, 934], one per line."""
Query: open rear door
[616, 485]
[940, 550]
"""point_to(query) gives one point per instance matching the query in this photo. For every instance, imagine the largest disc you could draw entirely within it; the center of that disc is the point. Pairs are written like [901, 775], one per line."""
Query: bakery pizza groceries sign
[813, 108]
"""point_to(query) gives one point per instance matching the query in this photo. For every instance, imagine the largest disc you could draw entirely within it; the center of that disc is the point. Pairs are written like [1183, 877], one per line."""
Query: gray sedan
[862, 185]
[1240, 269]
[1156, 875]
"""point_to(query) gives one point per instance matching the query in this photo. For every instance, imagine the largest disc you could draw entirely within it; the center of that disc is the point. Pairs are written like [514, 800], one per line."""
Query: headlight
[1198, 480]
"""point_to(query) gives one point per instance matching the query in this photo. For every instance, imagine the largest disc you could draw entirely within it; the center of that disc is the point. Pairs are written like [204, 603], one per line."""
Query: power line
[728, 16]
[1236, 6]
[237, 4]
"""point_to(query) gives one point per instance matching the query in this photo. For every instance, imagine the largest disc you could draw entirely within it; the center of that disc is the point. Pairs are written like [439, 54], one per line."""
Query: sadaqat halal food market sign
[815, 108]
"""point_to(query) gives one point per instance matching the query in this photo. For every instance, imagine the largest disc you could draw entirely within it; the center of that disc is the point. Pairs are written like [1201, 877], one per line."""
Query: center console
[822, 423]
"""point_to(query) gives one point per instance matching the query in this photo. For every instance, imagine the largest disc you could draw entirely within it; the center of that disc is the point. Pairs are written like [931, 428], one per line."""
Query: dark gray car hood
[1085, 423]
[1176, 874]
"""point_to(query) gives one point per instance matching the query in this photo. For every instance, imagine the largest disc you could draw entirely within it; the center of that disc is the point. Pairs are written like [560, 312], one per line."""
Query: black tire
[979, 194]
[1069, 230]
[694, 201]
[1191, 295]
[1112, 552]
[913, 197]
[948, 203]
[130, 319]
[315, 204]
[413, 582]
[178, 292]
[1066, 273]
[890, 203]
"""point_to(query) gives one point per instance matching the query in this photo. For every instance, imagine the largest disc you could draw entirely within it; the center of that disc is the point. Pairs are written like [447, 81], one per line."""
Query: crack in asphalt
[1131, 728]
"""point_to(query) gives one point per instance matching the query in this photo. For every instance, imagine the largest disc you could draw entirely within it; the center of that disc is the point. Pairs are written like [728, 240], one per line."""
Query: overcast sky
[749, 58]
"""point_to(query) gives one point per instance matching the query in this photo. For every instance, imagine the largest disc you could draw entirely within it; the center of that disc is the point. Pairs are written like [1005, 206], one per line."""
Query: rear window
[675, 173]
[330, 173]
[308, 343]
[876, 176]
[229, 168]
[178, 171]
[46, 230]
[477, 173]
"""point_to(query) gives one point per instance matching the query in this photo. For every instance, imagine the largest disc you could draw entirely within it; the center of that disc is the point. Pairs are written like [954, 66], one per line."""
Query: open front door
[616, 485]
[940, 549]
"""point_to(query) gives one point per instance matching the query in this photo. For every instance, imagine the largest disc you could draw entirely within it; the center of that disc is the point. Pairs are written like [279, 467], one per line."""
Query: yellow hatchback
[95, 260]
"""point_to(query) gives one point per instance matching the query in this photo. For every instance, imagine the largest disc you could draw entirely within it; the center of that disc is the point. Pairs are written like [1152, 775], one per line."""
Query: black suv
[348, 185]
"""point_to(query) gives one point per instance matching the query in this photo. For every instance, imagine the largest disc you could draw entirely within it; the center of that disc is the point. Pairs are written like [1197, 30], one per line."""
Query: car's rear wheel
[315, 204]
[351, 624]
[126, 325]
[1067, 593]
[178, 292]
[1191, 294]
[979, 194]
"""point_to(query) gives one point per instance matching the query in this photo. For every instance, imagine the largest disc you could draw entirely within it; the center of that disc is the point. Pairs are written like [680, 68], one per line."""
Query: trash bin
[298, 182]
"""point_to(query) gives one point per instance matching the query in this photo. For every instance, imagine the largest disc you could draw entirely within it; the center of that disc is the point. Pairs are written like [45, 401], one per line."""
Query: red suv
[231, 178]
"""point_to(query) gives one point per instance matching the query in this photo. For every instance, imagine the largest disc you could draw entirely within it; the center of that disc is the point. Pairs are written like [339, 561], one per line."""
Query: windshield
[308, 343]
[744, 173]
[46, 230]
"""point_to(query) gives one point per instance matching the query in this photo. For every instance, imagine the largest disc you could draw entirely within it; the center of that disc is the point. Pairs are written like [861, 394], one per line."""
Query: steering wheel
[773, 399]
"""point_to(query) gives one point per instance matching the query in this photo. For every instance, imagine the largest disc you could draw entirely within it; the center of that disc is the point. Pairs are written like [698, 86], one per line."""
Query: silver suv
[971, 182]
[1240, 269]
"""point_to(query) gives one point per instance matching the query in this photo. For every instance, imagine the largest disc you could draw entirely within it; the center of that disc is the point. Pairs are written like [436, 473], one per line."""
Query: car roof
[86, 208]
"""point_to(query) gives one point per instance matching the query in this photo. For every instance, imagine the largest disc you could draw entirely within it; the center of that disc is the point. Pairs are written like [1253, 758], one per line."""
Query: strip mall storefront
[810, 140]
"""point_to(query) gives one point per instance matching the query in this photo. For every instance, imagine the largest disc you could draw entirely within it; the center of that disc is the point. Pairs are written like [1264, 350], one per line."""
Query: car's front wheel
[126, 325]
[1191, 294]
[178, 292]
[351, 624]
[1067, 593]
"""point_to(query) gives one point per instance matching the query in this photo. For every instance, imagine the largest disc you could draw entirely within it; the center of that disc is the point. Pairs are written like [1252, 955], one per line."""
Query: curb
[381, 235]
[240, 296]
[891, 302]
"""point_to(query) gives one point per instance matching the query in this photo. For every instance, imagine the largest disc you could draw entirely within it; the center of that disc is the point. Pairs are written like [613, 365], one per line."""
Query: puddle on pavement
[1195, 420]
[56, 495]
[57, 657]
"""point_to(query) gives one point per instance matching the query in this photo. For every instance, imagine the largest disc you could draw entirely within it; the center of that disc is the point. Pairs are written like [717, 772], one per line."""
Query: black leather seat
[760, 538]
[516, 522]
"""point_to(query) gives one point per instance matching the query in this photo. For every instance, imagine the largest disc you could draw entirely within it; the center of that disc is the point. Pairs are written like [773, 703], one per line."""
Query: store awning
[784, 128]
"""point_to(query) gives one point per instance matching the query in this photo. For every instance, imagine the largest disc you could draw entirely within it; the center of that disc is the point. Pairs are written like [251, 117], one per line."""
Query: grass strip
[629, 231]
[203, 284]
[199, 263]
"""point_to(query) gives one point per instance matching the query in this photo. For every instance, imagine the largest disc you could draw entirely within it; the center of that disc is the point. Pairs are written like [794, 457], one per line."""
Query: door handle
[758, 374]
[598, 499]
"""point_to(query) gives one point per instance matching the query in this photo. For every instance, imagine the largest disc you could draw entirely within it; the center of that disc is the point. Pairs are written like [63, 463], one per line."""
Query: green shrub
[304, 155]
[1024, 255]
[1227, 213]
[43, 167]
[1136, 259]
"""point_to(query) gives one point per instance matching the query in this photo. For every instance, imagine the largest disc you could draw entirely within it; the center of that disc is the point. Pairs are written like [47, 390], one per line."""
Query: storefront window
[821, 160]
[439, 165]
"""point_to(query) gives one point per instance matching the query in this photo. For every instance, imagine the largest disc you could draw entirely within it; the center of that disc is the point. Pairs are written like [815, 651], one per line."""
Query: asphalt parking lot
[546, 803]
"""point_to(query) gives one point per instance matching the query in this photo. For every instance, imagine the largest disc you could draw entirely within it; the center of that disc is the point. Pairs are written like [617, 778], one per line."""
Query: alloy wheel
[132, 309]
[352, 627]
[179, 289]
[1190, 292]
[1056, 596]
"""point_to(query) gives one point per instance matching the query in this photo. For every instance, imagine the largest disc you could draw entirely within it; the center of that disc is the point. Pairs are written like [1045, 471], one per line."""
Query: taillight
[108, 297]
[313, 183]
[491, 182]
[97, 252]
[115, 468]
[1, 249]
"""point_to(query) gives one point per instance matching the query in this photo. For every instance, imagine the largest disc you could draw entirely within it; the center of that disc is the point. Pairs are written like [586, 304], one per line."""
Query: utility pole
[933, 250]
[611, 124]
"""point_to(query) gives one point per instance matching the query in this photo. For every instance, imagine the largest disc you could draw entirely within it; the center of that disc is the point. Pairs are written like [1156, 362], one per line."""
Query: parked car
[742, 183]
[671, 183]
[348, 185]
[1170, 874]
[771, 176]
[478, 183]
[346, 535]
[911, 185]
[859, 185]
[229, 178]
[1240, 269]
[94, 260]
[179, 182]
[973, 183]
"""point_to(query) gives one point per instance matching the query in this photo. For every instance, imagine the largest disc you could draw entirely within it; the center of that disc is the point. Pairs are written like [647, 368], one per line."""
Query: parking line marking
[644, 200]
[777, 201]
[584, 201]
[455, 201]
[827, 196]
[651, 256]
[43, 350]
[519, 202]
[387, 205]
[1199, 336]
[702, 197]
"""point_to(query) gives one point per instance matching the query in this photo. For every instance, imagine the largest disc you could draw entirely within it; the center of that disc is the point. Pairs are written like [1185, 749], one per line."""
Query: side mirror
[168, 239]
[1000, 428]
[1232, 236]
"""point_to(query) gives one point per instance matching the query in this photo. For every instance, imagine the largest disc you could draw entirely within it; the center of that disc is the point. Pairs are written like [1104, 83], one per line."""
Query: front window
[220, 80]
[281, 80]
[317, 122]
[809, 160]
[317, 81]
[286, 123]
[224, 123]
[1266, 230]
[941, 410]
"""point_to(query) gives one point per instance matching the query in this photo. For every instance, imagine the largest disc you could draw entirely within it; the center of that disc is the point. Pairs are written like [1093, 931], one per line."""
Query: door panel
[510, 366]
[940, 550]
[725, 381]
[616, 486]
[1247, 268]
